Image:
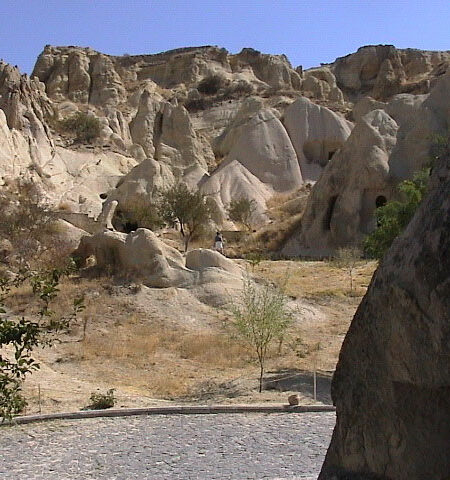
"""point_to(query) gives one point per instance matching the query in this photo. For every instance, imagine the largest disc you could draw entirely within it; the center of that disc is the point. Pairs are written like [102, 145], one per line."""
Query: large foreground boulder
[392, 383]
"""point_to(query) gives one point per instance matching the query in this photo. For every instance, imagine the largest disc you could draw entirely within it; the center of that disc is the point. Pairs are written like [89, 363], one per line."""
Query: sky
[308, 32]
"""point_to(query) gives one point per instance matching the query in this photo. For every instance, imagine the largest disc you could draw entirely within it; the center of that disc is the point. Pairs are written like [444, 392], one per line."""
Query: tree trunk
[186, 242]
[261, 374]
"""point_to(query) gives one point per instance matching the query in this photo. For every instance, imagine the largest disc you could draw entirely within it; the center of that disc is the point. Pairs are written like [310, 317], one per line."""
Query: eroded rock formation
[141, 256]
[252, 135]
[364, 174]
[392, 383]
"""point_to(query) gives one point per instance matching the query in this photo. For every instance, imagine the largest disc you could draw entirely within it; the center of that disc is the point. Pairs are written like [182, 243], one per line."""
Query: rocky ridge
[255, 134]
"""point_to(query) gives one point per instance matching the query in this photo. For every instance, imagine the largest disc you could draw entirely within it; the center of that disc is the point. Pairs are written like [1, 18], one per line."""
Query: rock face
[320, 83]
[364, 174]
[254, 135]
[316, 134]
[381, 71]
[261, 144]
[85, 75]
[139, 254]
[392, 383]
[233, 181]
[341, 205]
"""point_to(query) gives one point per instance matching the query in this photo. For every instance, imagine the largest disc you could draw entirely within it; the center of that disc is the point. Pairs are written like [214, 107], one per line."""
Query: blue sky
[308, 32]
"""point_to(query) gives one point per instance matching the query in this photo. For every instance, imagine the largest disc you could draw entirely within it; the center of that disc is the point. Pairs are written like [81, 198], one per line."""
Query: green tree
[241, 211]
[393, 217]
[191, 210]
[261, 317]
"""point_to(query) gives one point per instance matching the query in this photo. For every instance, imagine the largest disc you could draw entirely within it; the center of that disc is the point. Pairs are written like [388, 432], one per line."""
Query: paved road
[177, 447]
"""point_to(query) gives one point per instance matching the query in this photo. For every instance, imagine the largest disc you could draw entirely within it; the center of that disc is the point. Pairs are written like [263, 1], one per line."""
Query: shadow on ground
[294, 380]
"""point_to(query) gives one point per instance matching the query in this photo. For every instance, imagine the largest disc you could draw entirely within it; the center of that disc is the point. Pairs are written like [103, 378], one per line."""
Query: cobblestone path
[207, 447]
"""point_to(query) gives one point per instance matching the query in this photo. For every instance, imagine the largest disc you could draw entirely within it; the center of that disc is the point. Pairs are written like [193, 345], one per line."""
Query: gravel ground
[283, 446]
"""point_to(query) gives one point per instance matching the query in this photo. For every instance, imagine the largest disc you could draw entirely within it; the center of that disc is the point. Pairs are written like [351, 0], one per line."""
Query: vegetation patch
[83, 126]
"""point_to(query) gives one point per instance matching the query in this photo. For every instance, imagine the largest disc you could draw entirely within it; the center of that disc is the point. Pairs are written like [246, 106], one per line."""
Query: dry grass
[314, 279]
[217, 350]
[283, 205]
[139, 350]
[139, 345]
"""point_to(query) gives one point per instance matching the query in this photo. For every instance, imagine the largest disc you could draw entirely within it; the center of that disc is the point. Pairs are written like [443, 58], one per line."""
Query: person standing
[218, 242]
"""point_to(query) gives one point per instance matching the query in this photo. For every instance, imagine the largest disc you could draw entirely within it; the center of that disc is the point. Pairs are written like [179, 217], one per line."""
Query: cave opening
[329, 213]
[380, 201]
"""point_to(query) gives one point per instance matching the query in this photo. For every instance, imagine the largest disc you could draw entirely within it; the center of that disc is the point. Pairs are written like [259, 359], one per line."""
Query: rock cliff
[246, 124]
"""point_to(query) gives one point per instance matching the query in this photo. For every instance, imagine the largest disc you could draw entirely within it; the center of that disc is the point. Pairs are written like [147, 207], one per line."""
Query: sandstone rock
[275, 70]
[143, 124]
[375, 158]
[341, 205]
[320, 83]
[316, 134]
[202, 258]
[106, 217]
[415, 136]
[392, 382]
[382, 71]
[139, 254]
[260, 143]
[143, 257]
[402, 108]
[140, 183]
[177, 143]
[233, 181]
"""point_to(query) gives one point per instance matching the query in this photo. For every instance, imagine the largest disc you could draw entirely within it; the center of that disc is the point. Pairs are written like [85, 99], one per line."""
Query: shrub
[241, 211]
[26, 219]
[85, 127]
[138, 213]
[198, 104]
[211, 84]
[101, 401]
[20, 337]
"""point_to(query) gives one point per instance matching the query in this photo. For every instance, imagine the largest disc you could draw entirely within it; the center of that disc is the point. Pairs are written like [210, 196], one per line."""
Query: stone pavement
[280, 446]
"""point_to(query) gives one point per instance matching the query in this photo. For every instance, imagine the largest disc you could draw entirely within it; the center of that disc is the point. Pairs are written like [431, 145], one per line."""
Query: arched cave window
[103, 196]
[380, 201]
[329, 213]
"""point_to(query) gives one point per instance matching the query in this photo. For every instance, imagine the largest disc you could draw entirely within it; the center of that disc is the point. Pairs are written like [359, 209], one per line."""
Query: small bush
[85, 127]
[198, 104]
[237, 89]
[101, 401]
[241, 210]
[211, 84]
[136, 213]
